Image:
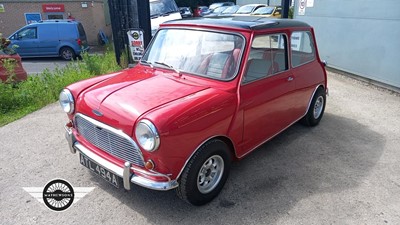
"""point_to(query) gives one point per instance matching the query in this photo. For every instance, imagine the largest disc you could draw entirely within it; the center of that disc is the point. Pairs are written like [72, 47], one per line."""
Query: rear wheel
[205, 174]
[316, 110]
[67, 53]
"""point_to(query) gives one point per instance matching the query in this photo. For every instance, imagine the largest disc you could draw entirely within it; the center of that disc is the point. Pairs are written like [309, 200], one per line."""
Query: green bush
[17, 100]
[291, 12]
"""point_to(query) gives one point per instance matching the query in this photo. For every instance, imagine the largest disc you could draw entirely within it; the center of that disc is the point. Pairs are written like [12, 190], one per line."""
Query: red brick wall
[92, 17]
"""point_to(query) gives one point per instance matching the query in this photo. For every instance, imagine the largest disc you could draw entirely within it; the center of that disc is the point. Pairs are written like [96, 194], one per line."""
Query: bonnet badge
[97, 113]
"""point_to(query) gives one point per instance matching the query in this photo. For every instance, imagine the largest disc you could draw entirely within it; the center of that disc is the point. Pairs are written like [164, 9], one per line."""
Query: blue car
[51, 38]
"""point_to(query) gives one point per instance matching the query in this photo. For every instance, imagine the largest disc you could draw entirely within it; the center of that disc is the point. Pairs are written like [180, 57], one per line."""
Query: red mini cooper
[207, 91]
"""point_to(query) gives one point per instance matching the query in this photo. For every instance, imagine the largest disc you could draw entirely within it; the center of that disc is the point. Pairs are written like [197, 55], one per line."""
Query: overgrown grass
[18, 100]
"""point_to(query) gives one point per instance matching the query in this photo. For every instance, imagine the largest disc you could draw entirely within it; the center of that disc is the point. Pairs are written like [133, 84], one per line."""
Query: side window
[268, 56]
[81, 30]
[278, 10]
[28, 33]
[302, 47]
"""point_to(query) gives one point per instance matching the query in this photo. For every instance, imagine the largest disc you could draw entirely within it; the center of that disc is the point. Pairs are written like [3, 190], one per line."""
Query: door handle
[290, 78]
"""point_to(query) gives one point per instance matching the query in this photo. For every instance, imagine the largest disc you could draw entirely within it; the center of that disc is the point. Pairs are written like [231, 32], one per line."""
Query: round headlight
[147, 135]
[67, 101]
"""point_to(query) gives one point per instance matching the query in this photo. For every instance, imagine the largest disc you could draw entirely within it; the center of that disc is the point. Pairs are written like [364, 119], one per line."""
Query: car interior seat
[220, 65]
[257, 68]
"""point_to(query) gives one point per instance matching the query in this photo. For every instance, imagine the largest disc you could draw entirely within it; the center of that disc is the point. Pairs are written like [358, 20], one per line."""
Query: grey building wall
[358, 36]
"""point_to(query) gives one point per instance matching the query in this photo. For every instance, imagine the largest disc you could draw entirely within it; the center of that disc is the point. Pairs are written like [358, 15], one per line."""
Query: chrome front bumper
[124, 172]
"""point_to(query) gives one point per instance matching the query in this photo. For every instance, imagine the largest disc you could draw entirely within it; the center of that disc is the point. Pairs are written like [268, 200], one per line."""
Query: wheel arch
[66, 45]
[223, 138]
[313, 94]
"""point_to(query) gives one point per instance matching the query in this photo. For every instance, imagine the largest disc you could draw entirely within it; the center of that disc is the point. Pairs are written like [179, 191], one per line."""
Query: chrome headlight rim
[155, 137]
[67, 101]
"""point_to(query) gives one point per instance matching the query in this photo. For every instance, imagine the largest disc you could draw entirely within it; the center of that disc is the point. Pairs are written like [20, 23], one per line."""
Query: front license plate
[99, 170]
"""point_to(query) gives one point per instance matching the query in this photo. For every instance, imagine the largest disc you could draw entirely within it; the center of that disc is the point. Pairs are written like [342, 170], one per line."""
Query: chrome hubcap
[318, 106]
[67, 54]
[210, 174]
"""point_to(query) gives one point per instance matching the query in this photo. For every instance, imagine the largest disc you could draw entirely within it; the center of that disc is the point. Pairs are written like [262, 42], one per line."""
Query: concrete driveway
[37, 65]
[344, 171]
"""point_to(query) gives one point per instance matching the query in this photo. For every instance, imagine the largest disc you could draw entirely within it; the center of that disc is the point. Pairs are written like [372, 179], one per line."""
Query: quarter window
[268, 56]
[302, 47]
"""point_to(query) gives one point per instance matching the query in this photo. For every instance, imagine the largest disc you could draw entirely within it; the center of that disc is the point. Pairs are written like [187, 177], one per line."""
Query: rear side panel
[68, 34]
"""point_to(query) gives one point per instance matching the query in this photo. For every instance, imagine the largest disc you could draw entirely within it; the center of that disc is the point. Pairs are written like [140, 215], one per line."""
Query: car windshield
[203, 53]
[263, 11]
[219, 9]
[230, 9]
[246, 9]
[215, 5]
[203, 9]
[160, 7]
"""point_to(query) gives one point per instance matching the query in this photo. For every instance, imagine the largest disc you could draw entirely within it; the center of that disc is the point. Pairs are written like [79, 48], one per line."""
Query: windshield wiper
[148, 63]
[154, 16]
[169, 66]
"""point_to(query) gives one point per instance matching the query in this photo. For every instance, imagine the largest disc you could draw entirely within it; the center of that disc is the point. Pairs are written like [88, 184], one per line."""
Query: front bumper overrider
[128, 173]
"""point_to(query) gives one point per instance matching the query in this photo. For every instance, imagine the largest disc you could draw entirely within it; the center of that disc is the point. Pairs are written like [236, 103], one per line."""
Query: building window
[55, 16]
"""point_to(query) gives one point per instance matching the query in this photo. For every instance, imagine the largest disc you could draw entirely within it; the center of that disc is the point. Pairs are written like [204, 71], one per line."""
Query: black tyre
[316, 110]
[205, 174]
[67, 53]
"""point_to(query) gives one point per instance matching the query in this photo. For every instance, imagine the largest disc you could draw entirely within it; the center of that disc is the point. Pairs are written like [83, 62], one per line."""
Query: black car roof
[244, 22]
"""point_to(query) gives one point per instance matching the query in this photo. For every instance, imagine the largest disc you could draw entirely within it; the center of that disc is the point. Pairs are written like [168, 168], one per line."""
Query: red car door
[267, 93]
[266, 107]
[306, 68]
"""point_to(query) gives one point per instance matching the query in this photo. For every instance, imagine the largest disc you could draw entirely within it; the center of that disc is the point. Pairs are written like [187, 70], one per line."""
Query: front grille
[108, 139]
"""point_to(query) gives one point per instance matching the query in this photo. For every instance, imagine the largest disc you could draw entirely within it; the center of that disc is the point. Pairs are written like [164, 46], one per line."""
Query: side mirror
[325, 63]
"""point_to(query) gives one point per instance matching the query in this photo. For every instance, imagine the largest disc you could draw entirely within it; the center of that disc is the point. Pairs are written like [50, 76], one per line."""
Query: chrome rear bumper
[124, 172]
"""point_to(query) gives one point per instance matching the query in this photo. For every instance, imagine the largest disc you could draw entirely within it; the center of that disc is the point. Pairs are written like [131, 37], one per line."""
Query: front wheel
[67, 53]
[316, 109]
[205, 174]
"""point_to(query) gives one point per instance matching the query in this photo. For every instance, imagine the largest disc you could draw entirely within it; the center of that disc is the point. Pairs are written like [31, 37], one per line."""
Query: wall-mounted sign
[302, 7]
[2, 8]
[136, 44]
[53, 8]
[295, 41]
[310, 3]
[32, 17]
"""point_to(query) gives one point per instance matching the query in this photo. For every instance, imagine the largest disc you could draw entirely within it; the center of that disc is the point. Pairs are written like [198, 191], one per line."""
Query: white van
[161, 11]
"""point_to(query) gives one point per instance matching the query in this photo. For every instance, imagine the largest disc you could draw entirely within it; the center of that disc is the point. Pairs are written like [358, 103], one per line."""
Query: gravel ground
[344, 171]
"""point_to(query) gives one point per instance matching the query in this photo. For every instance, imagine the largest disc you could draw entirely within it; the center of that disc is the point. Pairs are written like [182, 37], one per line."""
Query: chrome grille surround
[109, 139]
